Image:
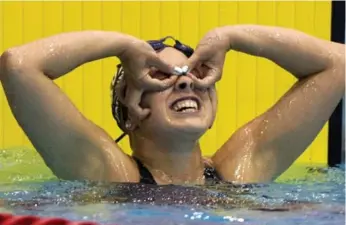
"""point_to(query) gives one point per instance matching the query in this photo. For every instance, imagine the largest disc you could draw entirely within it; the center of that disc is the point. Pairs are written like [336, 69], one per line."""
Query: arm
[72, 146]
[265, 147]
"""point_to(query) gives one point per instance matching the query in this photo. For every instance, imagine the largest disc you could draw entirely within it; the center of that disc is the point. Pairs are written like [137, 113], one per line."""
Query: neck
[170, 161]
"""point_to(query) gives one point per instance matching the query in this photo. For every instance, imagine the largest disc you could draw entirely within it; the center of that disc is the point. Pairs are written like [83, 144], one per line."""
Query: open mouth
[188, 104]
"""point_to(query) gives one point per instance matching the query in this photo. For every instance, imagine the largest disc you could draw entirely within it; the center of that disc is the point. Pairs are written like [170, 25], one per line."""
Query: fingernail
[185, 69]
[178, 70]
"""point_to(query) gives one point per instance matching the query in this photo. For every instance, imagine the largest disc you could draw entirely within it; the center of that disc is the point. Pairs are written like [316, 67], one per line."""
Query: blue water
[305, 195]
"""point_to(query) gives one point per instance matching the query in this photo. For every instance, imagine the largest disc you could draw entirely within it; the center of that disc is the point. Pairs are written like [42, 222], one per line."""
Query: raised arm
[265, 147]
[71, 145]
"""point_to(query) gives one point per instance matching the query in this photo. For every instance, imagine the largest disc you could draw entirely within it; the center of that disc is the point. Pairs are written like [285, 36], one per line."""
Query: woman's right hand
[138, 59]
[210, 54]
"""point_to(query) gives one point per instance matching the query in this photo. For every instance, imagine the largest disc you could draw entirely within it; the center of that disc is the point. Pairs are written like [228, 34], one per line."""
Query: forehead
[172, 56]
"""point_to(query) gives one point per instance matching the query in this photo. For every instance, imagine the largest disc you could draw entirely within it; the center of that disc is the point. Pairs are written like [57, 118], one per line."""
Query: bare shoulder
[117, 165]
[238, 160]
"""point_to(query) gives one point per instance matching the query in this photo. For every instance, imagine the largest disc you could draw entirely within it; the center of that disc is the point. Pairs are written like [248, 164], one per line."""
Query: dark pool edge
[336, 151]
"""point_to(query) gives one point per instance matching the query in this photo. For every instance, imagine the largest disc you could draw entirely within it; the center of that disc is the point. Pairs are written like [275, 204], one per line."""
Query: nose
[184, 83]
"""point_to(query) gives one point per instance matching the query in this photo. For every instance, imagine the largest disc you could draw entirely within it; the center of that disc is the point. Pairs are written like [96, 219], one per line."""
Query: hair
[119, 110]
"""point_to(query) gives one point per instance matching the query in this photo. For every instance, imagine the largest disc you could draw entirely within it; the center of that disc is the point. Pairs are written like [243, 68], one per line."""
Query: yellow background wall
[249, 85]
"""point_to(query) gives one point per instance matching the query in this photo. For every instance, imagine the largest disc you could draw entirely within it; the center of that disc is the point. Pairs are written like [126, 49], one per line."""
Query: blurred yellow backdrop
[249, 85]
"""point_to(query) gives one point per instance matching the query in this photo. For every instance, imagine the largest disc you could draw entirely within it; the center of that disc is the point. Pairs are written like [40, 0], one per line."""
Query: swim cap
[120, 111]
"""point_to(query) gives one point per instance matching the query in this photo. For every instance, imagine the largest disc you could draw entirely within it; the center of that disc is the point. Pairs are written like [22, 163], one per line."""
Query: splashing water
[304, 195]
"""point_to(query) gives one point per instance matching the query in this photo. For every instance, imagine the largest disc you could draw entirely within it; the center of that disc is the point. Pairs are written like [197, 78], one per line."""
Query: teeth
[188, 110]
[187, 106]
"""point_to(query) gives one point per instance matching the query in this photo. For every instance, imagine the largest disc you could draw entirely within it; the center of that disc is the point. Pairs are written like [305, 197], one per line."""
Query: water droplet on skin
[291, 102]
[278, 114]
[247, 130]
[264, 126]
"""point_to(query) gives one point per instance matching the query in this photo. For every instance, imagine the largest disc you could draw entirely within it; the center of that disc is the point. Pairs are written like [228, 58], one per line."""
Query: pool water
[303, 195]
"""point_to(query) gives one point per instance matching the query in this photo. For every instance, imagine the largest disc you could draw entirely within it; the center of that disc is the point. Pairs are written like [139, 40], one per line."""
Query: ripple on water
[28, 187]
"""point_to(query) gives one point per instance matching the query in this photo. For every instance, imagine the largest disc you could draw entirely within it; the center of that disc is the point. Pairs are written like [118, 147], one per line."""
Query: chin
[195, 127]
[192, 128]
[190, 124]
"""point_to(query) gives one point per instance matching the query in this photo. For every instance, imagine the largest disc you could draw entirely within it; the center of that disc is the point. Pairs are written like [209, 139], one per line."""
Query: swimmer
[165, 112]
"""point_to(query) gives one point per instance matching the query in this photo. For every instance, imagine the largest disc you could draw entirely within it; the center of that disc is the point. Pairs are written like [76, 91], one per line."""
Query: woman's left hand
[210, 55]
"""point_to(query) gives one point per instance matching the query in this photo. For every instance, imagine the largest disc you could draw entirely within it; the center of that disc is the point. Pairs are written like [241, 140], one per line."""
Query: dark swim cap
[119, 111]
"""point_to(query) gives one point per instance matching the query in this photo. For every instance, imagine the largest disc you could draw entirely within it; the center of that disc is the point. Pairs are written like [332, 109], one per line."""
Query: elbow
[10, 62]
[337, 57]
[5, 63]
[341, 57]
[13, 61]
[337, 67]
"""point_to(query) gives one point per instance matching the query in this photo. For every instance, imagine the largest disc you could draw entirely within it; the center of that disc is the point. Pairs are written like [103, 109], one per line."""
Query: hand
[138, 60]
[210, 55]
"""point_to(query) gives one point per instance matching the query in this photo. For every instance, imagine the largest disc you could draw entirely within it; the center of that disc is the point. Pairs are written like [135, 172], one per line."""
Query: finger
[193, 62]
[149, 83]
[137, 118]
[198, 83]
[132, 101]
[155, 61]
[213, 75]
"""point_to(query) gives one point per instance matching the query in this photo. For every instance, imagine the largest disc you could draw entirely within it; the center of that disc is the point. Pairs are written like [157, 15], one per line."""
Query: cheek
[209, 97]
[154, 100]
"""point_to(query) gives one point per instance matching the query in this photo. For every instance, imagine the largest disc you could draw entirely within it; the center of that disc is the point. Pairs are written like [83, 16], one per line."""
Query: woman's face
[181, 109]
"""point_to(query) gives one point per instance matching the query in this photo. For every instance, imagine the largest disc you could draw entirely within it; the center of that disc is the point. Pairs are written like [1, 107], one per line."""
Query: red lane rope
[9, 219]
